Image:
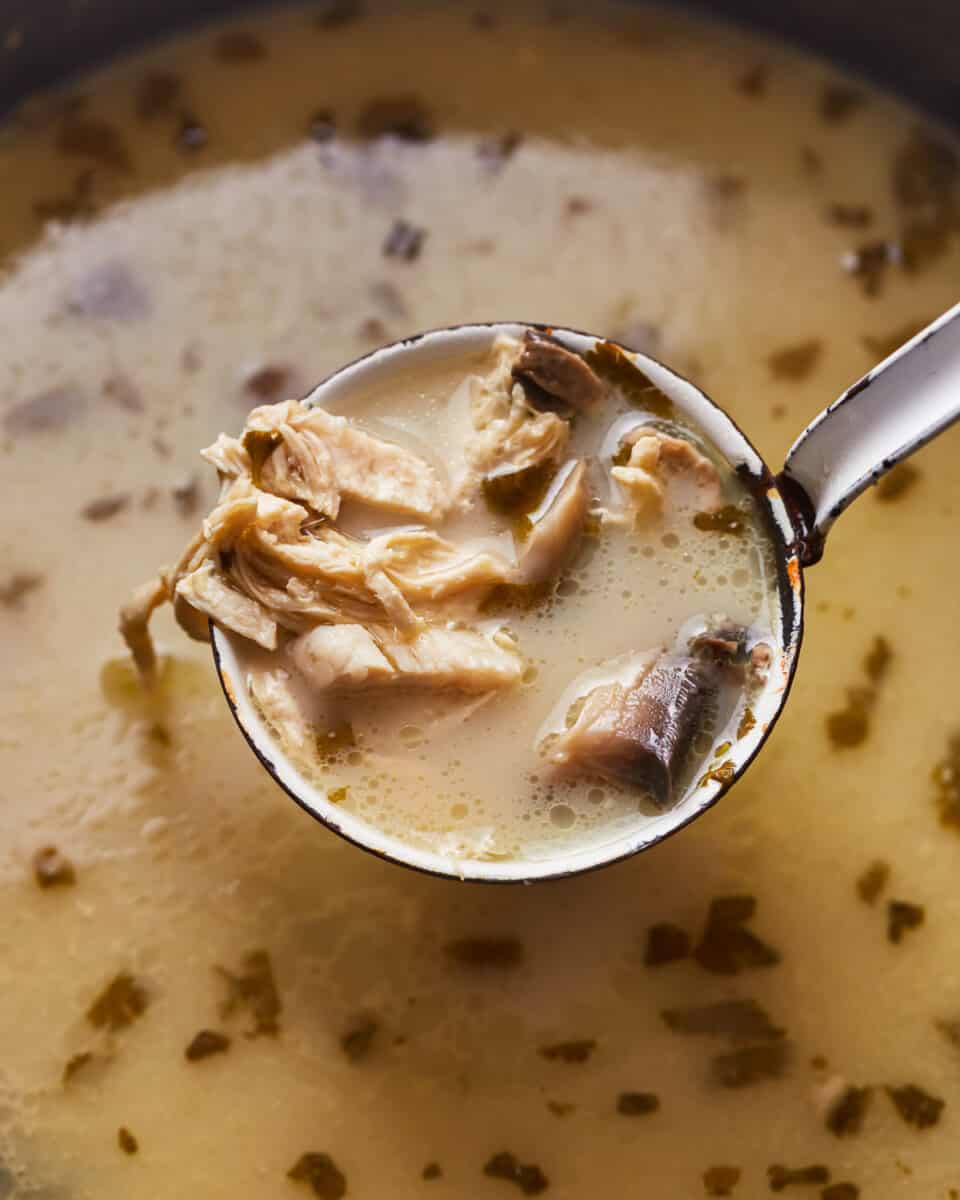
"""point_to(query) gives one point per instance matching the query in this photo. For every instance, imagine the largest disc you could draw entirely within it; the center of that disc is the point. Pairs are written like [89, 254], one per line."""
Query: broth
[188, 958]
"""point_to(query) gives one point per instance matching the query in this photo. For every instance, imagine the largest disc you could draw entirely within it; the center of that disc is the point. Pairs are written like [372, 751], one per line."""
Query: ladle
[890, 412]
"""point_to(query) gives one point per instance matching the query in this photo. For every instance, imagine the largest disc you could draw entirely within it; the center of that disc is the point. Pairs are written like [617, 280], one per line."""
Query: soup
[532, 559]
[205, 992]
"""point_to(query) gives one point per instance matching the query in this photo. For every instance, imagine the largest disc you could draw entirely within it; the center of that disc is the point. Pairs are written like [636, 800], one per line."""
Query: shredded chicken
[655, 457]
[273, 695]
[555, 530]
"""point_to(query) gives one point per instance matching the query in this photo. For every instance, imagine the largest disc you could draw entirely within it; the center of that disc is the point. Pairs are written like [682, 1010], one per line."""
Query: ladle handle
[896, 408]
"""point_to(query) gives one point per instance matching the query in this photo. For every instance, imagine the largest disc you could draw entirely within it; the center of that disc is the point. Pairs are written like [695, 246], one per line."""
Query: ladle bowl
[892, 411]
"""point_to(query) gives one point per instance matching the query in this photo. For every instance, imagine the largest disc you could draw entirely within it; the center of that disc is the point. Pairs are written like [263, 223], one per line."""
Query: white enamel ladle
[893, 410]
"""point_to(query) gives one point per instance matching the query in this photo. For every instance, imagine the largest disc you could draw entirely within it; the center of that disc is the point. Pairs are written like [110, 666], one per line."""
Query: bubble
[596, 795]
[459, 811]
[670, 540]
[740, 577]
[562, 816]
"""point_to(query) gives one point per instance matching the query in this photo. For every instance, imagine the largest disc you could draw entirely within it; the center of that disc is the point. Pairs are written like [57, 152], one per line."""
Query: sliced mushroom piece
[641, 733]
[553, 531]
[550, 372]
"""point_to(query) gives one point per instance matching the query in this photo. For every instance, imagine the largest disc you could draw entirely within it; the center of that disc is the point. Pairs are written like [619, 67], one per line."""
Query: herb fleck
[780, 1177]
[334, 14]
[156, 95]
[271, 382]
[851, 216]
[850, 726]
[845, 1116]
[637, 1104]
[105, 507]
[726, 947]
[357, 1042]
[568, 1052]
[840, 1191]
[527, 1176]
[880, 346]
[666, 943]
[320, 1173]
[45, 412]
[868, 264]
[873, 880]
[254, 991]
[897, 482]
[401, 117]
[753, 82]
[126, 1141]
[946, 779]
[499, 953]
[432, 1170]
[795, 362]
[75, 1064]
[53, 869]
[915, 1106]
[749, 1065]
[742, 1020]
[206, 1043]
[96, 139]
[720, 1181]
[838, 101]
[19, 585]
[404, 241]
[121, 1003]
[561, 1109]
[903, 916]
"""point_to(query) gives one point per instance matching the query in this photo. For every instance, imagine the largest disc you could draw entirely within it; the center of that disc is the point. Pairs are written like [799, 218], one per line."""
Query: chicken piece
[228, 455]
[641, 733]
[300, 467]
[509, 431]
[655, 457]
[207, 591]
[429, 569]
[555, 529]
[456, 658]
[557, 374]
[273, 696]
[340, 655]
[135, 620]
[373, 470]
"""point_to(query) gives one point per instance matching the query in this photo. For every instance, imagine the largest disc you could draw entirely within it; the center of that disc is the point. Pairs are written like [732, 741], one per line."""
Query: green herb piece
[621, 372]
[126, 1141]
[206, 1043]
[52, 869]
[319, 1172]
[527, 1176]
[637, 1104]
[845, 1116]
[795, 362]
[497, 953]
[742, 1020]
[873, 880]
[720, 1181]
[780, 1177]
[254, 991]
[666, 943]
[357, 1042]
[121, 1003]
[903, 916]
[915, 1106]
[568, 1052]
[260, 444]
[513, 493]
[749, 1065]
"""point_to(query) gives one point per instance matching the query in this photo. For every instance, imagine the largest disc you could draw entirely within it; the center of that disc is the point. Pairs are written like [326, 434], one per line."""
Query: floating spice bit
[156, 95]
[726, 947]
[46, 412]
[17, 587]
[105, 507]
[902, 917]
[73, 205]
[749, 1065]
[568, 1052]
[845, 1116]
[916, 1106]
[121, 1003]
[840, 1191]
[404, 241]
[527, 1176]
[780, 1177]
[730, 520]
[637, 1104]
[850, 216]
[334, 14]
[868, 263]
[254, 990]
[950, 1030]
[876, 664]
[53, 869]
[621, 372]
[357, 1042]
[925, 173]
[873, 880]
[880, 347]
[96, 139]
[946, 779]
[126, 1141]
[205, 1044]
[320, 1173]
[838, 101]
[76, 1064]
[795, 362]
[401, 117]
[666, 943]
[741, 1020]
[850, 726]
[897, 482]
[721, 1180]
[432, 1170]
[753, 82]
[499, 953]
[561, 1109]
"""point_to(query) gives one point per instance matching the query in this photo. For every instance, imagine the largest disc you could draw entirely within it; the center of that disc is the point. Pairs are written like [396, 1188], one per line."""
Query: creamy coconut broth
[204, 992]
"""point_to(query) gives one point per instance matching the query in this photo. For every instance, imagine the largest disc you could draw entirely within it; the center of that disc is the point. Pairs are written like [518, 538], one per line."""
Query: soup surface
[204, 992]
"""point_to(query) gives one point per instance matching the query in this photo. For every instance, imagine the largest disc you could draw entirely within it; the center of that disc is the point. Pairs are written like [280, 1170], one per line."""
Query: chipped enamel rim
[721, 430]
